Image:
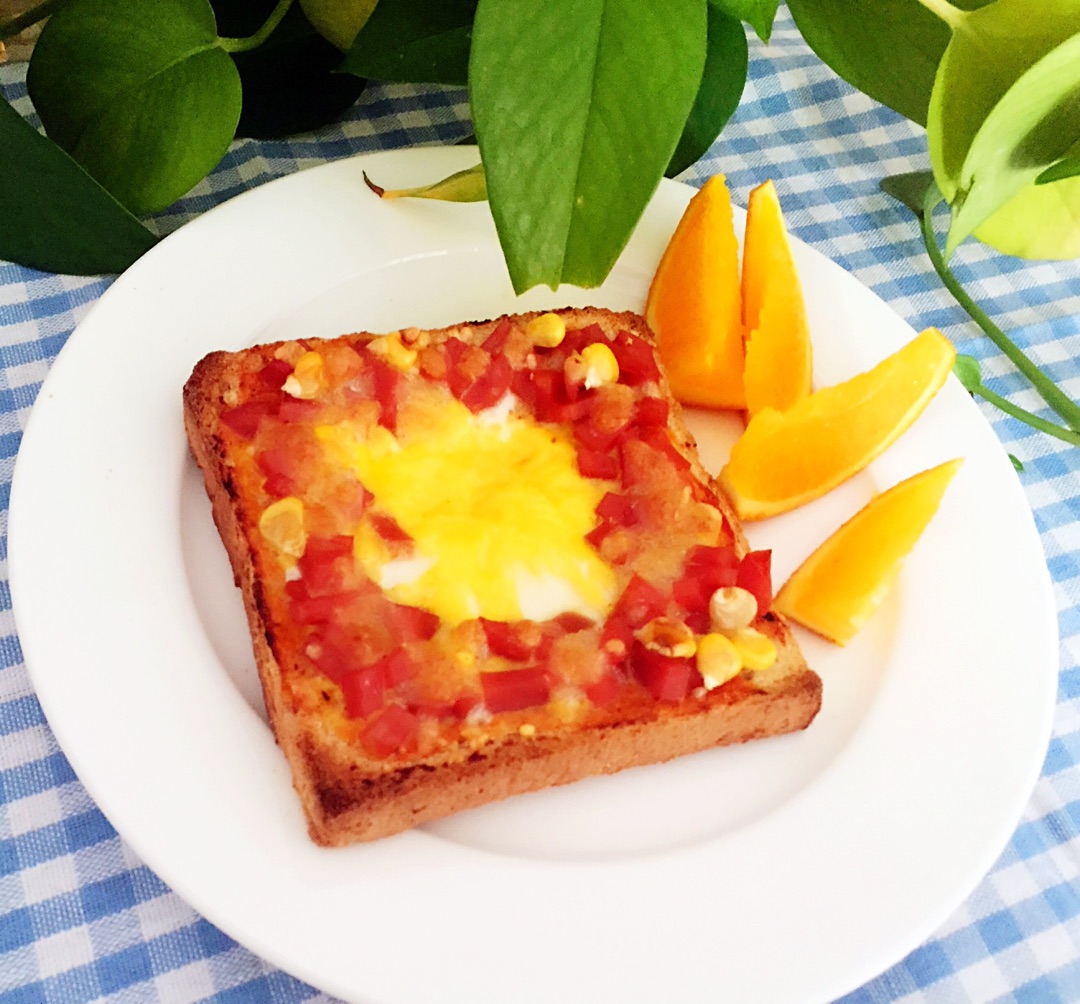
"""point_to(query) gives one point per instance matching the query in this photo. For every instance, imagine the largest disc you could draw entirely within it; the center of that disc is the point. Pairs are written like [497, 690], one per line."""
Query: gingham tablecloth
[81, 918]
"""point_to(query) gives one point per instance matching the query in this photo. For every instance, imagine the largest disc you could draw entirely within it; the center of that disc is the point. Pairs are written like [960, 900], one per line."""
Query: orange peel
[842, 584]
[786, 459]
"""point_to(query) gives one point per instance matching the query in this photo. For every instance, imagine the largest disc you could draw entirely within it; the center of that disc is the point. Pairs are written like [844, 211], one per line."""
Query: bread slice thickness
[606, 707]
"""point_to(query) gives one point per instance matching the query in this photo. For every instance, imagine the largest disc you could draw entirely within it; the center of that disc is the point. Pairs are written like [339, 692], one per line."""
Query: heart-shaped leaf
[415, 41]
[991, 48]
[1034, 124]
[53, 216]
[461, 186]
[141, 94]
[968, 373]
[759, 14]
[888, 49]
[1068, 167]
[910, 189]
[721, 87]
[578, 106]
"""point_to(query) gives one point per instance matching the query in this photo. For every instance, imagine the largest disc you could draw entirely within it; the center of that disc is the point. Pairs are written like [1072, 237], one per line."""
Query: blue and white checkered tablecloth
[81, 918]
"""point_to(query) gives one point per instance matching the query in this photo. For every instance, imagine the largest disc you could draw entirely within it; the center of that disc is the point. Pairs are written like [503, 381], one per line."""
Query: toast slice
[481, 561]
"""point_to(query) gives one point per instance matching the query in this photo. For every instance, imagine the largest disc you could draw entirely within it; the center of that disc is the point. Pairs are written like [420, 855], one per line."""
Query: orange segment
[694, 304]
[778, 357]
[840, 586]
[785, 459]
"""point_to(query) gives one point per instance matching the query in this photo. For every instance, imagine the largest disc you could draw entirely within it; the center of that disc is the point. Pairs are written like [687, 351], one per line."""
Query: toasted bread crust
[346, 795]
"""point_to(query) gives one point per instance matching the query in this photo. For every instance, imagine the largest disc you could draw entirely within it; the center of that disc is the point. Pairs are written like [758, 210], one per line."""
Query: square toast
[480, 561]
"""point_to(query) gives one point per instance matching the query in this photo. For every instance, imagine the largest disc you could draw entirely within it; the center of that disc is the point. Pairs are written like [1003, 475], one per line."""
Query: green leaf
[53, 216]
[889, 49]
[759, 14]
[910, 189]
[1068, 167]
[721, 87]
[139, 93]
[578, 106]
[1033, 125]
[968, 372]
[990, 50]
[461, 186]
[415, 41]
[289, 82]
[1017, 463]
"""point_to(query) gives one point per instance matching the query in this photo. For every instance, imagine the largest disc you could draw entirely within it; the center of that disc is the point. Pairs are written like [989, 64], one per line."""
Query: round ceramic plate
[790, 869]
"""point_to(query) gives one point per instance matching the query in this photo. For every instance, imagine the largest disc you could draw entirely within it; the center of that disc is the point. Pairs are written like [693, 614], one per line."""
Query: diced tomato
[398, 667]
[516, 640]
[592, 438]
[595, 537]
[413, 623]
[296, 410]
[657, 437]
[386, 380]
[705, 570]
[278, 467]
[620, 510]
[488, 388]
[755, 576]
[464, 704]
[514, 689]
[597, 464]
[323, 563]
[652, 411]
[454, 348]
[665, 677]
[495, 343]
[333, 652]
[364, 691]
[275, 373]
[604, 690]
[388, 528]
[637, 364]
[244, 419]
[572, 623]
[640, 603]
[576, 339]
[547, 395]
[392, 730]
[307, 609]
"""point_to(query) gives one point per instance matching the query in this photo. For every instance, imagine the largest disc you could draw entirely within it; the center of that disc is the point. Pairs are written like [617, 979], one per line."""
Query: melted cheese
[496, 508]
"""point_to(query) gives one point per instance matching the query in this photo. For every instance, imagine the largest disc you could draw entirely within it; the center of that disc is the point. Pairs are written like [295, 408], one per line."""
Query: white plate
[788, 870]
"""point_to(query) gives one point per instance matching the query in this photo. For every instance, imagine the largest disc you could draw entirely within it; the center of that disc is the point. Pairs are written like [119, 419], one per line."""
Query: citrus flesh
[842, 584]
[785, 459]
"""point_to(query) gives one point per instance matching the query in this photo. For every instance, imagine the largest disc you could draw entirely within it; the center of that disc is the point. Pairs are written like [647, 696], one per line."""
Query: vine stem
[1040, 424]
[1047, 389]
[267, 29]
[38, 12]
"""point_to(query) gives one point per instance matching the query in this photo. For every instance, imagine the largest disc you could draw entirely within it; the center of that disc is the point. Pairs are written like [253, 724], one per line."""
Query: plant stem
[38, 12]
[1040, 424]
[1047, 389]
[267, 29]
[952, 16]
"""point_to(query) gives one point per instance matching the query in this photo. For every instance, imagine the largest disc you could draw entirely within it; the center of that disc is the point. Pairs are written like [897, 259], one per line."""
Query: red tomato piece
[652, 411]
[597, 464]
[571, 622]
[414, 623]
[592, 438]
[495, 343]
[386, 381]
[333, 652]
[307, 609]
[489, 388]
[637, 364]
[620, 510]
[516, 640]
[364, 691]
[388, 528]
[296, 410]
[324, 562]
[278, 467]
[392, 730]
[705, 570]
[666, 678]
[275, 373]
[244, 419]
[755, 576]
[640, 603]
[398, 667]
[604, 690]
[514, 689]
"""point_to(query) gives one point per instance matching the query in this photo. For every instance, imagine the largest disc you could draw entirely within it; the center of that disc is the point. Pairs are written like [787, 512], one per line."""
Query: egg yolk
[497, 510]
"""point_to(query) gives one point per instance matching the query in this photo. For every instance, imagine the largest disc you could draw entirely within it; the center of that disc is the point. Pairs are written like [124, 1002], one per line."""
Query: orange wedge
[840, 586]
[694, 305]
[778, 358]
[785, 459]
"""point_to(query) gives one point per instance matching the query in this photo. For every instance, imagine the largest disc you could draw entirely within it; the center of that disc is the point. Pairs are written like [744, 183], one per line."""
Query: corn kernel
[547, 330]
[282, 526]
[667, 637]
[391, 350]
[757, 650]
[717, 659]
[731, 608]
[601, 366]
[306, 379]
[568, 704]
[528, 730]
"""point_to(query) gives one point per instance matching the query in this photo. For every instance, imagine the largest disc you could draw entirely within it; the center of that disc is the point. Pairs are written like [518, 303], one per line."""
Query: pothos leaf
[889, 49]
[289, 82]
[990, 49]
[968, 372]
[1033, 125]
[461, 186]
[140, 94]
[415, 41]
[570, 162]
[910, 189]
[78, 228]
[759, 14]
[1018, 464]
[721, 87]
[1068, 167]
